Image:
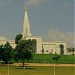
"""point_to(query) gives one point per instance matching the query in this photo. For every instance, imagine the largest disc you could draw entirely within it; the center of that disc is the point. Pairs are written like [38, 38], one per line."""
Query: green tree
[18, 38]
[24, 50]
[61, 49]
[16, 54]
[56, 57]
[1, 52]
[6, 52]
[71, 50]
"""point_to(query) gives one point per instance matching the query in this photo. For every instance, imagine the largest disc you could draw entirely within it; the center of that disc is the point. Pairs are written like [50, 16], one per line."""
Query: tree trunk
[23, 63]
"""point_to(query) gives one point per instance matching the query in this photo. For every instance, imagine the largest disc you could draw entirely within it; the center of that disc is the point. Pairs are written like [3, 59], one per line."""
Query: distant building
[40, 47]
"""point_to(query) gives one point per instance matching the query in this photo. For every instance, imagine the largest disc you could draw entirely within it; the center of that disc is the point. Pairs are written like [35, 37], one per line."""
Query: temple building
[41, 46]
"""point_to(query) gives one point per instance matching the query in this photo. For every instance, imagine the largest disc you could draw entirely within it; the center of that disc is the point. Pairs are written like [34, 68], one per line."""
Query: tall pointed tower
[26, 26]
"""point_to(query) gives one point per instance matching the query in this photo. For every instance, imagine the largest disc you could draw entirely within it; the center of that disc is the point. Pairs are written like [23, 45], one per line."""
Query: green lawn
[40, 58]
[36, 70]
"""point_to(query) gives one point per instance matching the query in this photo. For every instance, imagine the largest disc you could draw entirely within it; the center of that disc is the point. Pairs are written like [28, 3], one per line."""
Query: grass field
[42, 70]
[36, 70]
[40, 58]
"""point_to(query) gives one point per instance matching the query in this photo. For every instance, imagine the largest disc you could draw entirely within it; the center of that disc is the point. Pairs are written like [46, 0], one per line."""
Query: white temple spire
[26, 26]
[25, 7]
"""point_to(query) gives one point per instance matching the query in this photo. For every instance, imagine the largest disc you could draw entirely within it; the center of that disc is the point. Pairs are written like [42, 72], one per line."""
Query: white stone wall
[2, 42]
[39, 43]
[53, 47]
[65, 48]
[12, 42]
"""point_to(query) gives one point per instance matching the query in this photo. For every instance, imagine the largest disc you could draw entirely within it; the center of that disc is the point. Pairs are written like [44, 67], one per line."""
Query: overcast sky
[52, 19]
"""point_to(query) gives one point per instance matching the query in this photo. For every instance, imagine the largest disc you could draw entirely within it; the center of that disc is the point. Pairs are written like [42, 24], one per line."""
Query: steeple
[25, 7]
[26, 26]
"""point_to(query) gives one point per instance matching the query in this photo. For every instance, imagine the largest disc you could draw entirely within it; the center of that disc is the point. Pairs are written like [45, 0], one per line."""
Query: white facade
[53, 47]
[41, 47]
[39, 42]
[12, 42]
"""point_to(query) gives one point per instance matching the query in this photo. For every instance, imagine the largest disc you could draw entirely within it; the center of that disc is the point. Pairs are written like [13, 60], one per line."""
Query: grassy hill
[48, 58]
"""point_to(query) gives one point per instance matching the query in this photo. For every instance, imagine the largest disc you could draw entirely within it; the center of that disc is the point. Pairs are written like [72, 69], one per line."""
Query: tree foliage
[23, 50]
[6, 52]
[18, 38]
[71, 50]
[56, 57]
[1, 52]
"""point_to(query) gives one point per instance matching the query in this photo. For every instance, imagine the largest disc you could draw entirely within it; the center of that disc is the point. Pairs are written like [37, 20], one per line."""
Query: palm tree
[73, 50]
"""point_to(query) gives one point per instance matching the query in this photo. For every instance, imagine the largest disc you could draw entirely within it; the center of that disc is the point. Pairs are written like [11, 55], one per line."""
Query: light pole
[54, 69]
[56, 57]
[8, 68]
[1, 63]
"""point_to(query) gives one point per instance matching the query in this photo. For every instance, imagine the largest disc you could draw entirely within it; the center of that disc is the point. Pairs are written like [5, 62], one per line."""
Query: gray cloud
[28, 2]
[57, 35]
[35, 2]
[3, 38]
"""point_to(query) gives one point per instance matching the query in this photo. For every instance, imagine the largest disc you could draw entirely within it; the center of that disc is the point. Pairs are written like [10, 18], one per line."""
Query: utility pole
[56, 57]
[54, 69]
[8, 68]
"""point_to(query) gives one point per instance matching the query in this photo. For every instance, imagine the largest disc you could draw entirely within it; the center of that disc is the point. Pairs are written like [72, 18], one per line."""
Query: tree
[71, 50]
[16, 54]
[61, 49]
[18, 38]
[24, 50]
[1, 52]
[56, 57]
[6, 52]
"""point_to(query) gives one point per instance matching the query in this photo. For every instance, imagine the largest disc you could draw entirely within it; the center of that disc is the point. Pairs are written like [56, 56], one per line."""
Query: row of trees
[71, 50]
